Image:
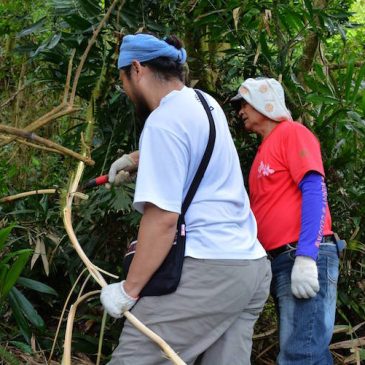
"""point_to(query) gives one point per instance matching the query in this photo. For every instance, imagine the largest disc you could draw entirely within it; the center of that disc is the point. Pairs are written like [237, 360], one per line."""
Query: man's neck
[159, 90]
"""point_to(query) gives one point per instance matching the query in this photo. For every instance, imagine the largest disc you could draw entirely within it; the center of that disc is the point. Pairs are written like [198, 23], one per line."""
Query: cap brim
[236, 98]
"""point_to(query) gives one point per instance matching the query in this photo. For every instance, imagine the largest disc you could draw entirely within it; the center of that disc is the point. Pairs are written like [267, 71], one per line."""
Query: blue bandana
[145, 47]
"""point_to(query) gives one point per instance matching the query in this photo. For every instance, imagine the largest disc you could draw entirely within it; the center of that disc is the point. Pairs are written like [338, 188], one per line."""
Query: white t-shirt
[219, 221]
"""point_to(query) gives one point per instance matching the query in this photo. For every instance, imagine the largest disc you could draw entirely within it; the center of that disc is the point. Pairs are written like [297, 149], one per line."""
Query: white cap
[266, 96]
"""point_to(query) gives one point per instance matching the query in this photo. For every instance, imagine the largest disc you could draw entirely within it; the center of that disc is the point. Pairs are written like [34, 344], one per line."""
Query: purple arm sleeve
[314, 201]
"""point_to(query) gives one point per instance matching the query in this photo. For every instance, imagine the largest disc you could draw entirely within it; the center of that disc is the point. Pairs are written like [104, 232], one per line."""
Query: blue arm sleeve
[314, 201]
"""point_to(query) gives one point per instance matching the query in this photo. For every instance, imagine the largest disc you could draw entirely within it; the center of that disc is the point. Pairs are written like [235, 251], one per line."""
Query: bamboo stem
[171, 354]
[63, 313]
[100, 280]
[101, 337]
[46, 142]
[41, 191]
[28, 193]
[22, 141]
[68, 77]
[34, 125]
[70, 320]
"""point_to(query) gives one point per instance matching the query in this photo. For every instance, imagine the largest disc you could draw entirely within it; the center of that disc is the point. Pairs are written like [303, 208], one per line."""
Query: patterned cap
[266, 96]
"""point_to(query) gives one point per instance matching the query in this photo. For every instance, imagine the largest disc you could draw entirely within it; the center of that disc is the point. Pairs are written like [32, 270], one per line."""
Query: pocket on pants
[332, 270]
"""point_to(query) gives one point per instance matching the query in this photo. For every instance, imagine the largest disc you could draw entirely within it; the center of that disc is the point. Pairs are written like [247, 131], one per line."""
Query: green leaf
[19, 316]
[359, 80]
[10, 255]
[91, 8]
[14, 272]
[54, 41]
[27, 308]
[34, 28]
[37, 286]
[3, 270]
[308, 5]
[4, 233]
[342, 33]
[319, 99]
[24, 347]
[8, 357]
[362, 354]
[348, 79]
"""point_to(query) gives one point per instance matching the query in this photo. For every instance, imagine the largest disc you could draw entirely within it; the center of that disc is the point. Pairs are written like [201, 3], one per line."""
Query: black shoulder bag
[167, 277]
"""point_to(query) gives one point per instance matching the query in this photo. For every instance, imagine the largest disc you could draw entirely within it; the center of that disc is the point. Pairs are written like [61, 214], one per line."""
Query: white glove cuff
[130, 160]
[125, 293]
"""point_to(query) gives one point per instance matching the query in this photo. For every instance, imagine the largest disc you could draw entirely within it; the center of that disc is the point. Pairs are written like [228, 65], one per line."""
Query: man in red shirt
[289, 199]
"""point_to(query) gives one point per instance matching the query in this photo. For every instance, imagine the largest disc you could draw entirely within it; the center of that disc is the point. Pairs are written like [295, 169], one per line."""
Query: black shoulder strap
[205, 160]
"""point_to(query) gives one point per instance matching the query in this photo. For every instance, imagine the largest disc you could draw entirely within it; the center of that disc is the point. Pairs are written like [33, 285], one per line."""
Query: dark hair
[164, 67]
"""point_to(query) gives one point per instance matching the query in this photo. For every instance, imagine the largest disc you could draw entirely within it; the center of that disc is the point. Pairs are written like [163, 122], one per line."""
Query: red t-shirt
[282, 160]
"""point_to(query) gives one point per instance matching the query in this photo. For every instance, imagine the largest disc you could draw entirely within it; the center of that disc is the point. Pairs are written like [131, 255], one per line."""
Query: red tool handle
[100, 180]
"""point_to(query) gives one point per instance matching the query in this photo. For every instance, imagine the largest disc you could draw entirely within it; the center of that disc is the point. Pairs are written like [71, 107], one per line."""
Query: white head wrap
[266, 96]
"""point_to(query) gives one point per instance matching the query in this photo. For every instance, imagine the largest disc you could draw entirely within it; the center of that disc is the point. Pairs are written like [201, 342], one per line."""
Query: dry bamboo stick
[70, 320]
[41, 191]
[22, 141]
[33, 137]
[68, 78]
[170, 353]
[63, 313]
[34, 125]
[28, 193]
[348, 344]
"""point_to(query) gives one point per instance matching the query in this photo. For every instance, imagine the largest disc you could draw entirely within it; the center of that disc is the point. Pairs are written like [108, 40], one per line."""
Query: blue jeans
[306, 325]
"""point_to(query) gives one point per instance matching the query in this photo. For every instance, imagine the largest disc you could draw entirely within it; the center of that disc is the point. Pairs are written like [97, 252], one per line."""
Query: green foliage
[226, 42]
[11, 264]
[8, 357]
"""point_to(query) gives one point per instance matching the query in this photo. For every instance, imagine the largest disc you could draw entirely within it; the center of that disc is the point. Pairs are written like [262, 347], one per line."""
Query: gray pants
[213, 312]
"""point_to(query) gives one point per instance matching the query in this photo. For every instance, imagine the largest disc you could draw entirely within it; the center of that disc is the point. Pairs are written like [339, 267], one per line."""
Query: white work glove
[120, 164]
[304, 278]
[123, 177]
[115, 300]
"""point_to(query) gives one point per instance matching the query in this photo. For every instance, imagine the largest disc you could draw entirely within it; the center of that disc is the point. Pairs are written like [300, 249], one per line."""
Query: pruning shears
[96, 181]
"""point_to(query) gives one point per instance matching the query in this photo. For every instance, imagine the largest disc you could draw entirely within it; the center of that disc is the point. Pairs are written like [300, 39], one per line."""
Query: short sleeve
[303, 152]
[162, 170]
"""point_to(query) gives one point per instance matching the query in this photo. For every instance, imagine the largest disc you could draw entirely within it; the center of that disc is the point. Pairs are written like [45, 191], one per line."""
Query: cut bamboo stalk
[46, 142]
[170, 353]
[28, 193]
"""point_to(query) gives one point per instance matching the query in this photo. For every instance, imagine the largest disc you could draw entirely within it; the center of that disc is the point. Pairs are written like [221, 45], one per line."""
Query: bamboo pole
[10, 198]
[95, 273]
[70, 320]
[38, 122]
[28, 193]
[38, 146]
[46, 142]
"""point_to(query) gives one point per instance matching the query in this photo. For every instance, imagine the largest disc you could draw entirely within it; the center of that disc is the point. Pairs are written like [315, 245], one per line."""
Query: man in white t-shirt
[226, 275]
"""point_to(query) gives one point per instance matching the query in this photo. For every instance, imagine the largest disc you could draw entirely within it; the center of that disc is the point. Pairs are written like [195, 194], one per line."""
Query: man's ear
[137, 68]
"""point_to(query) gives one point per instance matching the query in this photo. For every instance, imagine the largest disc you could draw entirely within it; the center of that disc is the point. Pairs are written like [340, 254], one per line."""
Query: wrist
[134, 157]
[129, 290]
[305, 258]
